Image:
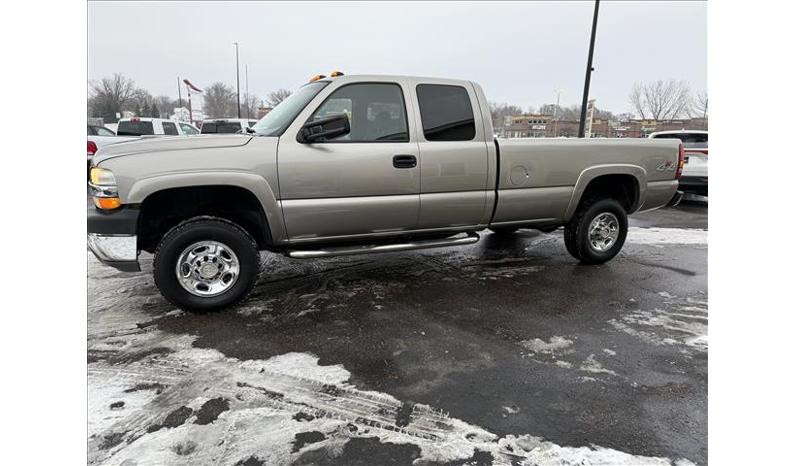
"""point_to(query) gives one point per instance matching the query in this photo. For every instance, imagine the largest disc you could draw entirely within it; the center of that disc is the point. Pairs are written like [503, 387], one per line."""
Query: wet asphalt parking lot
[503, 352]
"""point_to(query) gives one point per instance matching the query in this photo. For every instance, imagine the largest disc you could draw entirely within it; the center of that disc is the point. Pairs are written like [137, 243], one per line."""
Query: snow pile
[555, 344]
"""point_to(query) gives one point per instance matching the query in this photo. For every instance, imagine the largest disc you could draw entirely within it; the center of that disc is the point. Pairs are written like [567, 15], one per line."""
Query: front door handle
[404, 161]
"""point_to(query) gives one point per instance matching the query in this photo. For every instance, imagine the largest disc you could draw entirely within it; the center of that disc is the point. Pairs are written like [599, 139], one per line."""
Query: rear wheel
[597, 231]
[205, 264]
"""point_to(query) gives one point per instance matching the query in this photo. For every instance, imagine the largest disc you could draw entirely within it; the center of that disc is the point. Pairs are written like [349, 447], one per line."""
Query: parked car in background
[100, 136]
[141, 126]
[357, 165]
[227, 125]
[94, 130]
[695, 172]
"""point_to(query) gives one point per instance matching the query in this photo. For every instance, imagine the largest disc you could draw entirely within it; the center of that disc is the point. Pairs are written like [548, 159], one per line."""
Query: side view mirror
[324, 128]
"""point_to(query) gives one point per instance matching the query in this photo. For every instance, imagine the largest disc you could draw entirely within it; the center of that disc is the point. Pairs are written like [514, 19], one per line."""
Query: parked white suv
[227, 125]
[139, 126]
[695, 171]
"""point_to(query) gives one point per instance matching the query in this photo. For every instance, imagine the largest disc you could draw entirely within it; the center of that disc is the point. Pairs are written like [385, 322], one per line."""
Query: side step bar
[457, 240]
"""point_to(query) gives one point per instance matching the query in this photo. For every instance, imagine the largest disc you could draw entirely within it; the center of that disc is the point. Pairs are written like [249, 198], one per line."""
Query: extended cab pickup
[360, 164]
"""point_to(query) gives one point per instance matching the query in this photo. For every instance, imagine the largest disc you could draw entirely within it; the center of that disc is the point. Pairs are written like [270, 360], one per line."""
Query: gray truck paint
[331, 190]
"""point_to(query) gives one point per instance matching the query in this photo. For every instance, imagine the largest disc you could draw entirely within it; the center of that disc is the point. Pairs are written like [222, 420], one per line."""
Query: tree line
[116, 94]
[658, 100]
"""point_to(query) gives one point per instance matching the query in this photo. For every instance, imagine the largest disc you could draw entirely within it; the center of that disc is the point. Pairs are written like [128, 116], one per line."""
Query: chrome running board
[457, 240]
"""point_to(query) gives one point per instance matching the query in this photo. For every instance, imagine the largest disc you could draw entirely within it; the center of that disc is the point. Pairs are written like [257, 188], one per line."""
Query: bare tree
[219, 101]
[274, 98]
[249, 106]
[637, 100]
[701, 104]
[139, 99]
[552, 110]
[500, 111]
[165, 104]
[110, 96]
[661, 100]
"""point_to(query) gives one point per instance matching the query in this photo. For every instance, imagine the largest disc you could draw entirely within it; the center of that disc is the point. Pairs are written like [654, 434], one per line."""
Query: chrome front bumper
[119, 251]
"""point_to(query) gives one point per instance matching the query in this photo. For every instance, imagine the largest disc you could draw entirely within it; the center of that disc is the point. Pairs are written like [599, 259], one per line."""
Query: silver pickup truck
[354, 165]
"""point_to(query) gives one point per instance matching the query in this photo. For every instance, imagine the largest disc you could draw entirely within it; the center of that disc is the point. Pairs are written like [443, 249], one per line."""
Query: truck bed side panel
[540, 180]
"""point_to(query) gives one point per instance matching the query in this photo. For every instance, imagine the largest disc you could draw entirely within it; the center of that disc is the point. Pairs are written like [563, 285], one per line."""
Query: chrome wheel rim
[603, 231]
[207, 268]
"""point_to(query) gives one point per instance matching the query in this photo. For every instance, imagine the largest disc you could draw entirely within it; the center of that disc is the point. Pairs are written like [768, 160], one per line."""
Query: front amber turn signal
[107, 203]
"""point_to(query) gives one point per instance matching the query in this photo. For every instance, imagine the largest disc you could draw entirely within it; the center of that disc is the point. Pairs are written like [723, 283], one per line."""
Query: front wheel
[597, 231]
[205, 264]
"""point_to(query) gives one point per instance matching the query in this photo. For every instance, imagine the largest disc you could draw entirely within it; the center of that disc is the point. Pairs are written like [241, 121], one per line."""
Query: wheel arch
[632, 177]
[225, 194]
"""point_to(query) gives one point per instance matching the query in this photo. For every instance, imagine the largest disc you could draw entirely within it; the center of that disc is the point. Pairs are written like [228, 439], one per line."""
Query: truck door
[363, 183]
[453, 156]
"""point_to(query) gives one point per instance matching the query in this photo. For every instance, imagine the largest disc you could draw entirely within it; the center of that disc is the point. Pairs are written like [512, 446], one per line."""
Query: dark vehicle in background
[227, 125]
[695, 172]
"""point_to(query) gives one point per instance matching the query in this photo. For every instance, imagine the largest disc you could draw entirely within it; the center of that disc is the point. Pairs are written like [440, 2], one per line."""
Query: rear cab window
[446, 112]
[216, 127]
[135, 128]
[170, 129]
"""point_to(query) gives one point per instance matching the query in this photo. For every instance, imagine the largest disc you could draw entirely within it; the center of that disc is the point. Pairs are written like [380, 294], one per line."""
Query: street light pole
[248, 112]
[179, 95]
[589, 69]
[237, 76]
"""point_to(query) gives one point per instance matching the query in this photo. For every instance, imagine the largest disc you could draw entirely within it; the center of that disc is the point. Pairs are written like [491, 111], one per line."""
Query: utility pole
[179, 94]
[555, 113]
[248, 110]
[237, 76]
[589, 69]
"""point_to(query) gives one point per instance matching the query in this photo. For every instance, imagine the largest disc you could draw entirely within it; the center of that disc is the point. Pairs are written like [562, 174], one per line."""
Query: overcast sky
[519, 52]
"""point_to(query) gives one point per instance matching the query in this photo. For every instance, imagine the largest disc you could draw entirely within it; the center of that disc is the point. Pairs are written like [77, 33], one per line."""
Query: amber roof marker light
[316, 78]
[336, 73]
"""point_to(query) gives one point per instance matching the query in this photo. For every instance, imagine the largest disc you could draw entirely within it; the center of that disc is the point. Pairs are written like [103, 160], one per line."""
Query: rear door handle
[404, 161]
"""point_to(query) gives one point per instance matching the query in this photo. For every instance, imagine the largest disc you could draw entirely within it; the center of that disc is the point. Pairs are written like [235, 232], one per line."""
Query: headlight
[102, 177]
[103, 189]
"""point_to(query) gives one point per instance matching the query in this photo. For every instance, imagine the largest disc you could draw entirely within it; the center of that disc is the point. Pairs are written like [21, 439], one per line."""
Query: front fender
[589, 174]
[255, 184]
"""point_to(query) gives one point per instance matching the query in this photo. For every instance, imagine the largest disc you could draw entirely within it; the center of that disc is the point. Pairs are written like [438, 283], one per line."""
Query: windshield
[278, 119]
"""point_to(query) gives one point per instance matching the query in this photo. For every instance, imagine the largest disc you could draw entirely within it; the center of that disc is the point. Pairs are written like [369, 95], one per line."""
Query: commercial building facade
[539, 126]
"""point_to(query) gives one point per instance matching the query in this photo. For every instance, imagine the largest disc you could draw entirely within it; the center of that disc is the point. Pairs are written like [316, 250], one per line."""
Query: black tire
[576, 233]
[205, 229]
[504, 231]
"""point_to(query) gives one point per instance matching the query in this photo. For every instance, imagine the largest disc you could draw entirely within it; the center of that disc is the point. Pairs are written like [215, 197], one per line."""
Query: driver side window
[376, 112]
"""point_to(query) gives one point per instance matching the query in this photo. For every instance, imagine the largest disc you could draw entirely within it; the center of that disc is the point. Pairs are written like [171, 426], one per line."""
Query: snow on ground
[678, 321]
[661, 236]
[556, 344]
[155, 399]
